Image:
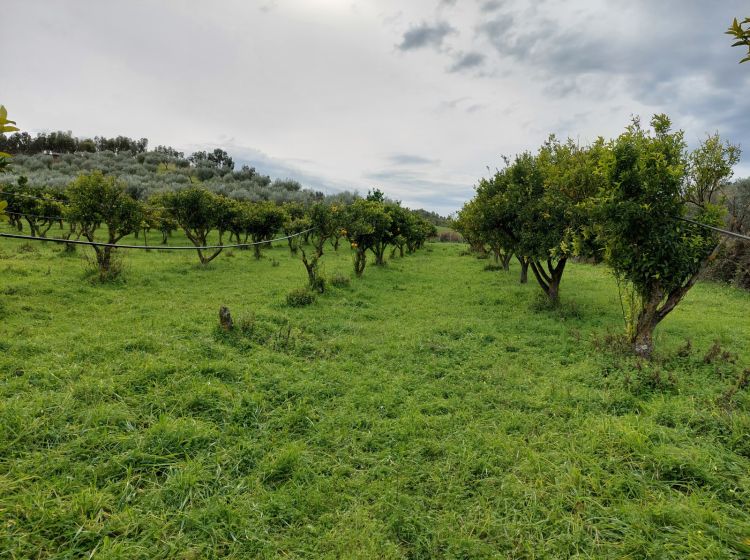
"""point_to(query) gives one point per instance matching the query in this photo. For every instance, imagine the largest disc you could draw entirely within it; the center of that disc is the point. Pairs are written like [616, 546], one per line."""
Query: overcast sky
[416, 98]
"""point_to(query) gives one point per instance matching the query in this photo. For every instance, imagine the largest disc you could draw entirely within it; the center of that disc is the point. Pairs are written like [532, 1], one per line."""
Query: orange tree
[367, 226]
[652, 185]
[263, 221]
[325, 222]
[97, 200]
[296, 220]
[195, 210]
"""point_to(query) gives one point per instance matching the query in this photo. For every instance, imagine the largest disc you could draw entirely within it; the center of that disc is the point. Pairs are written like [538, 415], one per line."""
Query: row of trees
[623, 201]
[65, 143]
[98, 207]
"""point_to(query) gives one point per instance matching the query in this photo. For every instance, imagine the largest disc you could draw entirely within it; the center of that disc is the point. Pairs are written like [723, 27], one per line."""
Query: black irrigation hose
[148, 247]
[724, 231]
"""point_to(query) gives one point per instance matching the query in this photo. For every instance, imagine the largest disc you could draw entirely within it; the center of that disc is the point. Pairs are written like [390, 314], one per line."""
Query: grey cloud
[410, 159]
[699, 79]
[452, 104]
[490, 6]
[426, 35]
[467, 61]
[281, 168]
[417, 190]
[465, 104]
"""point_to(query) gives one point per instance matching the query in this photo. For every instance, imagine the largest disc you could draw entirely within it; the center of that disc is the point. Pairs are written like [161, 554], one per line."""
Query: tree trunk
[379, 251]
[205, 259]
[642, 336]
[549, 279]
[293, 245]
[643, 340]
[524, 269]
[104, 261]
[506, 261]
[311, 266]
[360, 261]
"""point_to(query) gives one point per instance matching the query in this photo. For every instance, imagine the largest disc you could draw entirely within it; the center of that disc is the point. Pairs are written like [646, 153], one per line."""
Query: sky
[418, 98]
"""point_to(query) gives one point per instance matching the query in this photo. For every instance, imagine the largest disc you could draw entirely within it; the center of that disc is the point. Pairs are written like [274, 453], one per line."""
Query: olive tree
[652, 184]
[96, 200]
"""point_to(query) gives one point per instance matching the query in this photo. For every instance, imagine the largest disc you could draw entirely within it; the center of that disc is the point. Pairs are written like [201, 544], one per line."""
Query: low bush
[340, 281]
[300, 297]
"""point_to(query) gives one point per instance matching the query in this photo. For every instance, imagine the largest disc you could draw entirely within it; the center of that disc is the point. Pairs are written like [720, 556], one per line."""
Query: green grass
[428, 410]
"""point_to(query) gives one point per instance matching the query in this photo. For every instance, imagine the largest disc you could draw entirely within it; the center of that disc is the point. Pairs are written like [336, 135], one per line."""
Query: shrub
[300, 297]
[340, 281]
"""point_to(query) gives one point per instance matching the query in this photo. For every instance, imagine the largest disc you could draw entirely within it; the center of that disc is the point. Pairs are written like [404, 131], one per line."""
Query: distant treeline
[54, 159]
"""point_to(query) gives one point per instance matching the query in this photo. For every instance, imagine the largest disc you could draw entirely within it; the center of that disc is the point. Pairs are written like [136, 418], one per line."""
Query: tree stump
[225, 319]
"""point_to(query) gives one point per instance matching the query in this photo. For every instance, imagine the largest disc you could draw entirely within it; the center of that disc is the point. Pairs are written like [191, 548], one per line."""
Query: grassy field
[429, 410]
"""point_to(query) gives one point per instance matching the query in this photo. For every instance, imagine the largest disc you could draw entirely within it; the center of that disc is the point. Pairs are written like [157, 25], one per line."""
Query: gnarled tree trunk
[549, 279]
[654, 308]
